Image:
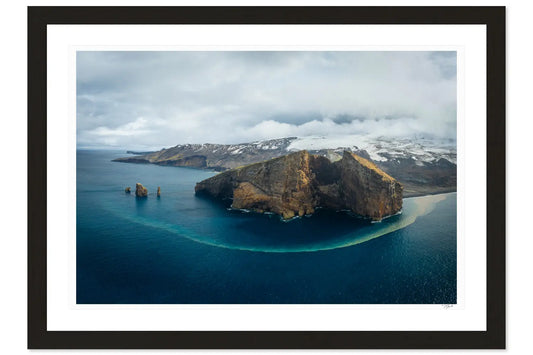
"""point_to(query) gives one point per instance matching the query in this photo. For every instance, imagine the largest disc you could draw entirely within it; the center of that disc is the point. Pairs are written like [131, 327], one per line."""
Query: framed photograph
[266, 177]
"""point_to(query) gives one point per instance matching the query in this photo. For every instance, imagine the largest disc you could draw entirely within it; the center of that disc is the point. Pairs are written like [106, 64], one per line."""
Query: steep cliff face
[298, 183]
[367, 190]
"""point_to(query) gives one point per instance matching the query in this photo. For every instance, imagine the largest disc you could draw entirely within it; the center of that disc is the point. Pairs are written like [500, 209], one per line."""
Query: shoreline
[430, 192]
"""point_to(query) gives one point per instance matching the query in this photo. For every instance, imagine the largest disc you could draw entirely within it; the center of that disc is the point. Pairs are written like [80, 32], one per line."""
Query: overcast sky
[148, 100]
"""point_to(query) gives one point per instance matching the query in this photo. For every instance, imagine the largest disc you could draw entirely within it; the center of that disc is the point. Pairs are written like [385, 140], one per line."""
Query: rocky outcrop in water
[299, 183]
[158, 191]
[127, 190]
[140, 190]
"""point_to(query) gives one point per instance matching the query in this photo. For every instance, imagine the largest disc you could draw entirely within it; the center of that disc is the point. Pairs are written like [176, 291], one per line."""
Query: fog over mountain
[150, 100]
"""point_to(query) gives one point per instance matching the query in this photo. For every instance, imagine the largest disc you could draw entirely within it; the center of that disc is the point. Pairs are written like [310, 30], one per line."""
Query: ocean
[183, 249]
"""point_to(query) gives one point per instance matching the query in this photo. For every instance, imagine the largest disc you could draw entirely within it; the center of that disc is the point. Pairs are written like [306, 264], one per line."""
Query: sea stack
[128, 190]
[298, 183]
[140, 190]
[158, 191]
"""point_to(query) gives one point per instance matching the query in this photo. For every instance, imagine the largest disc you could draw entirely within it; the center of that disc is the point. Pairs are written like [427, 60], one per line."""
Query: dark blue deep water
[183, 249]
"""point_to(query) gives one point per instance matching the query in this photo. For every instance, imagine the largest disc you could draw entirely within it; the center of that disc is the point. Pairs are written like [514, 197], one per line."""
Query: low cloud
[159, 99]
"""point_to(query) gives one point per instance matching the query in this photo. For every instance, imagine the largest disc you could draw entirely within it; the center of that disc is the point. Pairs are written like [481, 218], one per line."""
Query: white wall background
[13, 150]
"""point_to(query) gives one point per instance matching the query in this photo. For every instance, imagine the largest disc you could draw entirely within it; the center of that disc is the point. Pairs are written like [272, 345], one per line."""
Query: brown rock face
[158, 191]
[128, 190]
[140, 190]
[298, 183]
[367, 190]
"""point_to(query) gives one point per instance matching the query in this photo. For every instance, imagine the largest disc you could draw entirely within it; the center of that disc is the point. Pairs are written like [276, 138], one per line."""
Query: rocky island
[298, 183]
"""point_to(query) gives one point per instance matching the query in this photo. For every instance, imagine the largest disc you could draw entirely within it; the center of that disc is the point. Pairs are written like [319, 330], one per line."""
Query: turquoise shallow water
[183, 249]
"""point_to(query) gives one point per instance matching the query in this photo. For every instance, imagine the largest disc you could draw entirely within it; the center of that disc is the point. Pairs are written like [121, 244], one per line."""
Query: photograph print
[266, 177]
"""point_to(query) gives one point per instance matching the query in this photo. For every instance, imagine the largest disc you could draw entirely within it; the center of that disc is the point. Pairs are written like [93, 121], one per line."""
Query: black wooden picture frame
[38, 335]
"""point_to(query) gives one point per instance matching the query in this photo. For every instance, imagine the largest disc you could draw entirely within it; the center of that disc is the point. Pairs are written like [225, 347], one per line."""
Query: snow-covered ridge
[271, 144]
[381, 148]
